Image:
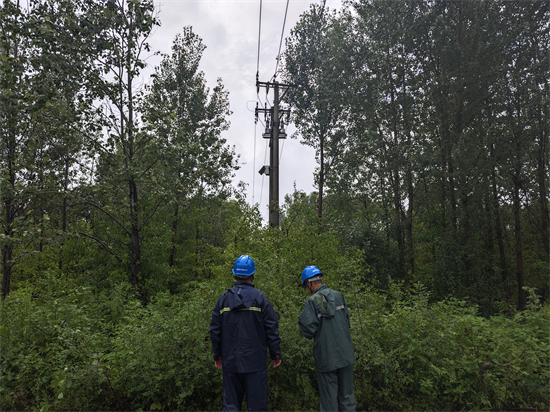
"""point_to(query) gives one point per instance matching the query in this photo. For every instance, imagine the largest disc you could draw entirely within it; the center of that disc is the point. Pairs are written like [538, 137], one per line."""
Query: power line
[281, 42]
[259, 36]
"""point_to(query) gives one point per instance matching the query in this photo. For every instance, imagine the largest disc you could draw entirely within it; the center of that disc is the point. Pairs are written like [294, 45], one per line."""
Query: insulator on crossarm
[282, 132]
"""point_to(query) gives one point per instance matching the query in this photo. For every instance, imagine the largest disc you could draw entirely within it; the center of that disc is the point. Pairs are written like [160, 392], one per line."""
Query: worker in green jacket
[325, 319]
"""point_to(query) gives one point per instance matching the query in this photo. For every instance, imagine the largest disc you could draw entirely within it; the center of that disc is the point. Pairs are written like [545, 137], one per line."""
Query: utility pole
[274, 162]
[274, 130]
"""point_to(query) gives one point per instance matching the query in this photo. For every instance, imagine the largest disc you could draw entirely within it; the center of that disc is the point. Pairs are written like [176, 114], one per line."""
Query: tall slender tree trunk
[396, 182]
[447, 167]
[197, 248]
[499, 235]
[543, 191]
[398, 208]
[516, 205]
[452, 192]
[459, 126]
[443, 184]
[8, 198]
[321, 174]
[503, 266]
[489, 236]
[133, 196]
[409, 226]
[409, 179]
[218, 226]
[136, 247]
[172, 257]
[133, 188]
[7, 248]
[64, 206]
[10, 211]
[385, 207]
[522, 300]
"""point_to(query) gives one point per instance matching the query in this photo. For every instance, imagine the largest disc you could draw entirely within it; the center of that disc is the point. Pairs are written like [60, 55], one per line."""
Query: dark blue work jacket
[244, 325]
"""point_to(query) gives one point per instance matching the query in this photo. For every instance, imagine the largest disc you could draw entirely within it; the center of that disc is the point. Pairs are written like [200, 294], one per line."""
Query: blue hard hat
[244, 266]
[309, 272]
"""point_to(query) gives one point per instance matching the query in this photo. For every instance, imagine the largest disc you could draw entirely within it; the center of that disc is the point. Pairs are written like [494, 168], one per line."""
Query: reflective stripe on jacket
[244, 326]
[325, 319]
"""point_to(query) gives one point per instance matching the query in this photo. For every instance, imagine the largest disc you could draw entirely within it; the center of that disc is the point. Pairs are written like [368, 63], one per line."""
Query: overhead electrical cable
[259, 36]
[258, 60]
[256, 123]
[281, 42]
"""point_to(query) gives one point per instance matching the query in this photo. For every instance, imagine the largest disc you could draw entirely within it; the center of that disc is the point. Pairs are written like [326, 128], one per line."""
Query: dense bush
[67, 348]
[416, 356]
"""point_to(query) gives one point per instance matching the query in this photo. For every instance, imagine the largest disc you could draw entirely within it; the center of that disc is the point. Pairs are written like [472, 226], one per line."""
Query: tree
[312, 62]
[12, 80]
[524, 125]
[126, 158]
[444, 141]
[385, 115]
[188, 120]
[44, 106]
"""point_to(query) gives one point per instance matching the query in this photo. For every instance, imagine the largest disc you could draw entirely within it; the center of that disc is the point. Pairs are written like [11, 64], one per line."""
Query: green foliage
[443, 356]
[54, 334]
[67, 348]
[162, 354]
[429, 120]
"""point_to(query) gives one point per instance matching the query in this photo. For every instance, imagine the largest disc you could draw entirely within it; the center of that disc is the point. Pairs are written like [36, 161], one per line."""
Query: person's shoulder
[226, 291]
[261, 295]
[338, 293]
[335, 293]
[326, 291]
[224, 295]
[261, 298]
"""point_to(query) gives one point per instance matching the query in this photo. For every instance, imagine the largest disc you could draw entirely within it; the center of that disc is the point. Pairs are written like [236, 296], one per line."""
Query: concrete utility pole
[274, 162]
[274, 131]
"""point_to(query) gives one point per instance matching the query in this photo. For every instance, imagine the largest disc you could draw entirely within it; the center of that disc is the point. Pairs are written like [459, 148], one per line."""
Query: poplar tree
[188, 119]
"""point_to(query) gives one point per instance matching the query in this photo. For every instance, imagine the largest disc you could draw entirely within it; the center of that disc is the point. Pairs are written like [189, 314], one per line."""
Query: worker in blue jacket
[325, 319]
[244, 326]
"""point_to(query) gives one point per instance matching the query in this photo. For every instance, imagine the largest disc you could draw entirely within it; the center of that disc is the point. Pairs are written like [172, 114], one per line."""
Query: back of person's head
[244, 269]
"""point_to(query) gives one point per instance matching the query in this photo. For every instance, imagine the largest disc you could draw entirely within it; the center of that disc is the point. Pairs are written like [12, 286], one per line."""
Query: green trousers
[336, 390]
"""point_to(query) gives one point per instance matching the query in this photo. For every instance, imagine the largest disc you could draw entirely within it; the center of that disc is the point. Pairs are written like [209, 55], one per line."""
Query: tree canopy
[436, 139]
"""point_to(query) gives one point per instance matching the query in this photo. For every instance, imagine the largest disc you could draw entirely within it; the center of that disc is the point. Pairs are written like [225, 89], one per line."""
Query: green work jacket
[325, 319]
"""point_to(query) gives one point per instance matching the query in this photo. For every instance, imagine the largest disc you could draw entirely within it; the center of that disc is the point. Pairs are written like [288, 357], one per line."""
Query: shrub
[443, 356]
[65, 347]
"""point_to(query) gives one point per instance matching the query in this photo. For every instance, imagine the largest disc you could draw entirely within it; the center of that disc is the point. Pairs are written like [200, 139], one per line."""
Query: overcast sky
[229, 29]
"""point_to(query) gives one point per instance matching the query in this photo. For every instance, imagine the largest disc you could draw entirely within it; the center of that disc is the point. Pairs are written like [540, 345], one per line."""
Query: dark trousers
[336, 390]
[237, 385]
